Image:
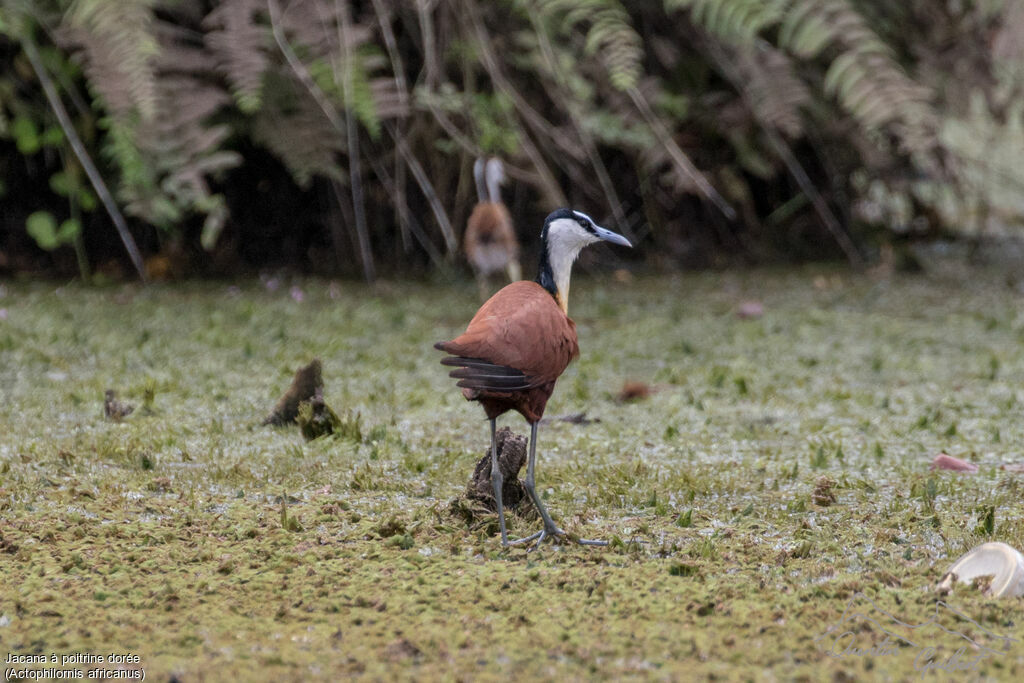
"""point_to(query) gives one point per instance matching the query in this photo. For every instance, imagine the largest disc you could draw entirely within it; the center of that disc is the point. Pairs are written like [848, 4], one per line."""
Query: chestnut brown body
[513, 351]
[490, 240]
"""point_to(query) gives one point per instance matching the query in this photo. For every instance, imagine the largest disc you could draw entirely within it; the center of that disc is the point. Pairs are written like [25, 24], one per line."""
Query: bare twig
[679, 157]
[492, 64]
[352, 133]
[440, 116]
[32, 51]
[335, 119]
[529, 114]
[428, 190]
[300, 70]
[398, 69]
[306, 78]
[425, 8]
[414, 226]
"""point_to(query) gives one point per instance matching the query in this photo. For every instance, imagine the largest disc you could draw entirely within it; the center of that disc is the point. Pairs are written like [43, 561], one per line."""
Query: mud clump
[316, 418]
[307, 383]
[511, 458]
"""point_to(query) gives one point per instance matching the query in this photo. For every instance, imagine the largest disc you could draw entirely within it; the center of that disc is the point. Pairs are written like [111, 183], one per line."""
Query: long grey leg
[549, 526]
[496, 482]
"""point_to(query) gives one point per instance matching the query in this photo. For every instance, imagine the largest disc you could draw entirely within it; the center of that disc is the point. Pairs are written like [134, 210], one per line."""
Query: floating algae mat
[779, 476]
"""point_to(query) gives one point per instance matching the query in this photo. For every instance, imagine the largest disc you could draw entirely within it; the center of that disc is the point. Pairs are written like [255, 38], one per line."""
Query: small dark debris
[113, 409]
[403, 648]
[983, 584]
[577, 419]
[823, 494]
[634, 391]
[307, 382]
[8, 546]
[683, 569]
[945, 586]
[392, 526]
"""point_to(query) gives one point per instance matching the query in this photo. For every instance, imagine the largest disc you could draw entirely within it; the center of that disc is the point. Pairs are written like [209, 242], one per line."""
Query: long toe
[553, 533]
[587, 541]
[527, 539]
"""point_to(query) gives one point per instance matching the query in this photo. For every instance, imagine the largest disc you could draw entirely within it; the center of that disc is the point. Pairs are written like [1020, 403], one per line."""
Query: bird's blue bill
[613, 237]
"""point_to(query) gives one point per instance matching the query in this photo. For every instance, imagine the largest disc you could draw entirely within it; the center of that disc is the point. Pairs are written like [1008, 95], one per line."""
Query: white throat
[565, 240]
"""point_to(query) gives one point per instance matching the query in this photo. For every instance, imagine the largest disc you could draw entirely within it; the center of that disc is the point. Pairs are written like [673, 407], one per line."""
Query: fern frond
[734, 21]
[120, 52]
[292, 126]
[985, 155]
[773, 87]
[166, 159]
[361, 100]
[314, 29]
[1008, 44]
[863, 76]
[315, 26]
[240, 43]
[610, 35]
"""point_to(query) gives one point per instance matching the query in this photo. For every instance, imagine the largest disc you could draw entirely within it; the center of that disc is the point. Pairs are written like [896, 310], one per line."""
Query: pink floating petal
[948, 462]
[3, 314]
[297, 294]
[748, 310]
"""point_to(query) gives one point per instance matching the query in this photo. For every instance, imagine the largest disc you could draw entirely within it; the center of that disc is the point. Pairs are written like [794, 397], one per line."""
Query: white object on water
[1002, 562]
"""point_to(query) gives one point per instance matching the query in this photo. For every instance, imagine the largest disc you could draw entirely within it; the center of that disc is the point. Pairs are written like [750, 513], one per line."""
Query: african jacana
[490, 240]
[520, 342]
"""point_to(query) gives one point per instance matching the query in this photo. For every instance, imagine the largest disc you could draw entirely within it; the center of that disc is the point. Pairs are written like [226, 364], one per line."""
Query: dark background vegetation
[338, 137]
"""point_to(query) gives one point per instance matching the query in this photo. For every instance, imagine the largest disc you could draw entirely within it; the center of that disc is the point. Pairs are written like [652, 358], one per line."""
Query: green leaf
[25, 135]
[69, 230]
[87, 200]
[52, 137]
[60, 183]
[42, 226]
[216, 213]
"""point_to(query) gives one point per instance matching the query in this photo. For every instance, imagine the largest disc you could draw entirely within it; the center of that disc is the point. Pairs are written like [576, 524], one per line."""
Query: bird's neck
[554, 272]
[493, 189]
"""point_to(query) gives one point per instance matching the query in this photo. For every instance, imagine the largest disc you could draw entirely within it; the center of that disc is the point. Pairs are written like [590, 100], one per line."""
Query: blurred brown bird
[490, 239]
[520, 342]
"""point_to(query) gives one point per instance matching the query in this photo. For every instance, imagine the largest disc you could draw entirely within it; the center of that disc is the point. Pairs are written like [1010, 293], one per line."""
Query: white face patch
[566, 237]
[565, 240]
